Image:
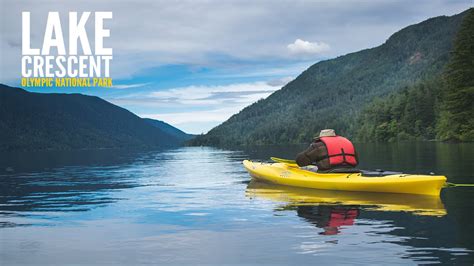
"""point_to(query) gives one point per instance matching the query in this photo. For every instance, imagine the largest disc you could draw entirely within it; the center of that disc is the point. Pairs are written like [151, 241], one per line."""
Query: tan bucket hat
[327, 133]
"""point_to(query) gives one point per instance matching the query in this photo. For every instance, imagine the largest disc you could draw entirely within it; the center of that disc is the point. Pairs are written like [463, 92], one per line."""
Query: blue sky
[195, 63]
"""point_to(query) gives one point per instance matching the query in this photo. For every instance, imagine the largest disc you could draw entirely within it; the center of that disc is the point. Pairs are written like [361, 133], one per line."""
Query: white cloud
[280, 82]
[204, 105]
[179, 118]
[206, 95]
[300, 47]
[156, 33]
[200, 96]
[129, 86]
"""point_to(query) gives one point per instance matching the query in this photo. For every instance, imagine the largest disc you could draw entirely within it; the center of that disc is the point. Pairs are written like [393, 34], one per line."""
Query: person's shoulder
[317, 143]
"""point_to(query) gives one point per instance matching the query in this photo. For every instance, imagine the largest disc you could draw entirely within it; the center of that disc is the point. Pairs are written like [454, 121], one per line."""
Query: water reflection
[293, 196]
[48, 184]
[178, 205]
[62, 190]
[415, 221]
[329, 218]
[44, 186]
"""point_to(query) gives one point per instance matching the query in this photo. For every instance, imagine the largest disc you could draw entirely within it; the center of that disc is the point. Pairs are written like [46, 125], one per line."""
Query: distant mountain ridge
[169, 129]
[54, 121]
[332, 93]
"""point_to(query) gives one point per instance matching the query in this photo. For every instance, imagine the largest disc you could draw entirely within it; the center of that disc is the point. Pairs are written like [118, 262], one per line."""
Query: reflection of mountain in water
[418, 222]
[62, 181]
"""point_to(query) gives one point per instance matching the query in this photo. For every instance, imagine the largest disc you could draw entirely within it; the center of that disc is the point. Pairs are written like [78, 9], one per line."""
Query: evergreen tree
[457, 117]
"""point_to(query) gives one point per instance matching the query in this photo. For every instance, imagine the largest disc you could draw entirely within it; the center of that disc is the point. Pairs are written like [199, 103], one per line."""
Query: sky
[194, 64]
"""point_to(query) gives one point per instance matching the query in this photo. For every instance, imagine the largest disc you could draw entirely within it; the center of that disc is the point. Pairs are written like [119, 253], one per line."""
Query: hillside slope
[53, 121]
[439, 108]
[331, 93]
[169, 129]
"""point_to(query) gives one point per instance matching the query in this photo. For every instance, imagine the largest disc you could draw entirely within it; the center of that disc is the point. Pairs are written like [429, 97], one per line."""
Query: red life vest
[340, 151]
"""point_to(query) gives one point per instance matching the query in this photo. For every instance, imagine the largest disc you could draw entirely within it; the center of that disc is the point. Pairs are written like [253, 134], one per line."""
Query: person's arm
[317, 152]
[302, 158]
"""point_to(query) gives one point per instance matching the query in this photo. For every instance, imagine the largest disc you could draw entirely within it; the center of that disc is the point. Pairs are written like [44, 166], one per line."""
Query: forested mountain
[169, 129]
[405, 115]
[457, 109]
[53, 121]
[332, 93]
[440, 108]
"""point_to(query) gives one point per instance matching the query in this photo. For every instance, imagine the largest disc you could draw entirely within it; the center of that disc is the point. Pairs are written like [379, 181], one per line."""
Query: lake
[197, 205]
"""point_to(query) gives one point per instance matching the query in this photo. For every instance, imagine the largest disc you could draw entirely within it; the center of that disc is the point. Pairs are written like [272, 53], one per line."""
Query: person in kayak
[330, 153]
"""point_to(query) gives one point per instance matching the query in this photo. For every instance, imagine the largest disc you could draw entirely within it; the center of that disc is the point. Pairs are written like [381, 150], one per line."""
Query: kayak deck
[292, 175]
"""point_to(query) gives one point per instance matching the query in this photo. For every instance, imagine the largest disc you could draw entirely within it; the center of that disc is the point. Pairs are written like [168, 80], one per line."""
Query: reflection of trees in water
[420, 224]
[428, 238]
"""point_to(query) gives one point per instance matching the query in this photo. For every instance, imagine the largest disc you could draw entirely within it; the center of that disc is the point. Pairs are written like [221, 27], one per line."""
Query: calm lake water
[197, 205]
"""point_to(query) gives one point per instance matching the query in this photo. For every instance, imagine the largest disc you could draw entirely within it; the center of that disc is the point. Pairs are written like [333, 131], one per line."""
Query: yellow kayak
[292, 175]
[295, 196]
